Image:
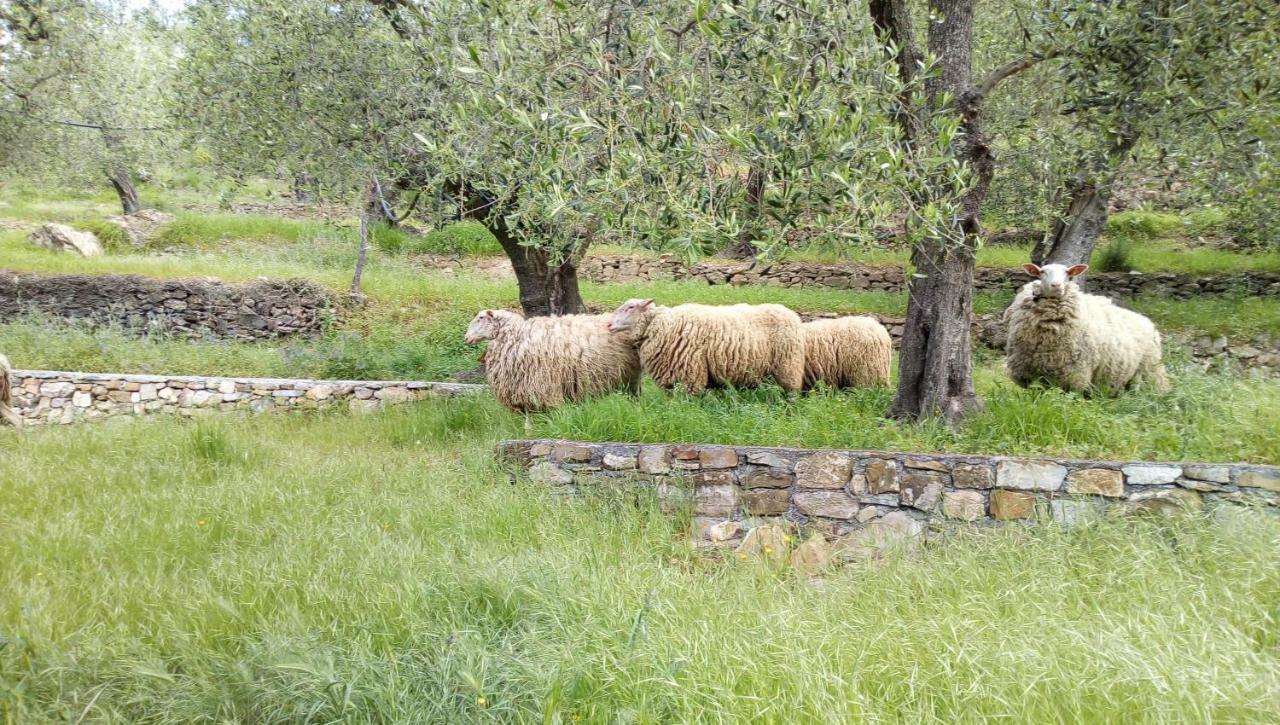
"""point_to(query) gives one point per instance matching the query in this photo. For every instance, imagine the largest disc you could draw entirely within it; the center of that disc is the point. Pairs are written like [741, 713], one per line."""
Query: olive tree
[1155, 71]
[81, 92]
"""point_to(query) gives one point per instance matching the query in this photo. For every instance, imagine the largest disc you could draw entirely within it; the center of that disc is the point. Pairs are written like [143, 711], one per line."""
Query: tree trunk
[744, 246]
[377, 207]
[362, 253]
[545, 288]
[1076, 232]
[935, 375]
[123, 185]
[935, 372]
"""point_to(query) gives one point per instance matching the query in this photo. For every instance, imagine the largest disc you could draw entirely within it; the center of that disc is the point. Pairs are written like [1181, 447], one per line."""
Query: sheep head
[1053, 278]
[487, 324]
[629, 315]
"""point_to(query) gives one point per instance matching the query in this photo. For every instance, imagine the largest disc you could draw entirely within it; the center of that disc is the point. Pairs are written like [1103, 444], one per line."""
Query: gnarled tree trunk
[546, 287]
[123, 184]
[935, 374]
[744, 246]
[1075, 234]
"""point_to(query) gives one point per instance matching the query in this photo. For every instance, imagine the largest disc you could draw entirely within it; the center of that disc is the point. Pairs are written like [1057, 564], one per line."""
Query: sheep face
[629, 315]
[487, 324]
[1053, 278]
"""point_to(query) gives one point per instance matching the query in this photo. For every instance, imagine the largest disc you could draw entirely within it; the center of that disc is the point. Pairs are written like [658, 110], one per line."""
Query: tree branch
[100, 127]
[1013, 67]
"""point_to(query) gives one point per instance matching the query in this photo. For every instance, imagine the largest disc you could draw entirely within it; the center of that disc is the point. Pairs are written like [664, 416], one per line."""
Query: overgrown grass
[379, 568]
[1204, 417]
[208, 231]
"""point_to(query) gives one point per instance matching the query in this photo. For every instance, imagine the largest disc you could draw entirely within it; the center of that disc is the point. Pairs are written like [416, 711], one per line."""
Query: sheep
[7, 413]
[538, 364]
[701, 345]
[1077, 341]
[846, 352]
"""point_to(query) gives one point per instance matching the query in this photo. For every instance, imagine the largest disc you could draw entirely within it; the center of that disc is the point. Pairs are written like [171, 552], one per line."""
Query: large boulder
[141, 226]
[62, 238]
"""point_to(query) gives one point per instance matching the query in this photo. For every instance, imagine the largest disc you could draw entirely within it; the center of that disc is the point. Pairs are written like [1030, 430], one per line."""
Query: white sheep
[540, 363]
[846, 352]
[702, 345]
[1062, 336]
[7, 413]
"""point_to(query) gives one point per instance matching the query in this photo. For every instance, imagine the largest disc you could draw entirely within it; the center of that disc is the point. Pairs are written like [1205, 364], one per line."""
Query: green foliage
[1144, 224]
[1115, 257]
[467, 238]
[375, 567]
[113, 238]
[208, 231]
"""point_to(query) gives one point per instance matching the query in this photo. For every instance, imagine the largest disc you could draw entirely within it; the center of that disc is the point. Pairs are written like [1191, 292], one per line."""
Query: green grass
[379, 568]
[1204, 417]
[209, 231]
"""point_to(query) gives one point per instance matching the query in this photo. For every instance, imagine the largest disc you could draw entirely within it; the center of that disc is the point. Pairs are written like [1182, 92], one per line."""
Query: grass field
[327, 568]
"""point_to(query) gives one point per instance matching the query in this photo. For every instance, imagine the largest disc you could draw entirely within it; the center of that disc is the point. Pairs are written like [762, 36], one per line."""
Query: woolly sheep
[846, 352]
[6, 396]
[538, 364]
[1077, 341]
[701, 345]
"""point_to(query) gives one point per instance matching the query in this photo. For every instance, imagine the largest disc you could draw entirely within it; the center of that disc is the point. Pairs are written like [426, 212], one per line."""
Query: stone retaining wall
[195, 308]
[599, 268]
[45, 397]
[875, 494]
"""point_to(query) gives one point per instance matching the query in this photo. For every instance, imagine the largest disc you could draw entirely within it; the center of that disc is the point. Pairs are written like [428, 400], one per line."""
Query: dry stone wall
[45, 397]
[600, 268]
[874, 494]
[195, 308]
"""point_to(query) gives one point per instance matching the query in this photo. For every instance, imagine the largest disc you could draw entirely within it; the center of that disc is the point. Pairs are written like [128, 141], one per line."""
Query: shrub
[469, 238]
[1144, 224]
[1117, 256]
[113, 238]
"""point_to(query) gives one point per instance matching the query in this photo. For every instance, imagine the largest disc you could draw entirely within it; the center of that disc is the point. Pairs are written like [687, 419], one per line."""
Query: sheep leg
[528, 424]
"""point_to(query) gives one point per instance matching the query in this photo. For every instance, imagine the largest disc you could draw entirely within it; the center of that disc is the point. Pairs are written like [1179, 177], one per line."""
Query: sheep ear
[1031, 269]
[646, 303]
[1077, 270]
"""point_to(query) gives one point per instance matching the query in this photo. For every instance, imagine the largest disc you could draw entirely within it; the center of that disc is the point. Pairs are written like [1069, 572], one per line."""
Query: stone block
[767, 543]
[882, 476]
[1165, 501]
[617, 462]
[811, 557]
[1141, 474]
[1096, 482]
[715, 500]
[1213, 474]
[772, 460]
[928, 464]
[1267, 479]
[828, 504]
[654, 459]
[1007, 505]
[318, 392]
[965, 505]
[1072, 512]
[825, 469]
[545, 472]
[766, 501]
[921, 489]
[767, 478]
[571, 453]
[1030, 475]
[965, 475]
[714, 478]
[723, 531]
[718, 458]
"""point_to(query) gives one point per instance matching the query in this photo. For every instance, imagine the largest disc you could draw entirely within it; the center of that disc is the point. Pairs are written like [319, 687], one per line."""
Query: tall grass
[1204, 417]
[377, 569]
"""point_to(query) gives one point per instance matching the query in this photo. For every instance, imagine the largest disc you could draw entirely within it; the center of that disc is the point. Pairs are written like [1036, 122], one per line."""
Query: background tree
[83, 87]
[1151, 71]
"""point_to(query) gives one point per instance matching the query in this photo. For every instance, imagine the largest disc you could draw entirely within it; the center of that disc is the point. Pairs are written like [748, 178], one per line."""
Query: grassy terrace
[378, 568]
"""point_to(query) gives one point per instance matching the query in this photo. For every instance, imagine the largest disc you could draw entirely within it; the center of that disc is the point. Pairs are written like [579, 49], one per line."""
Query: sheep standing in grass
[701, 345]
[6, 395]
[538, 364]
[847, 352]
[1077, 341]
